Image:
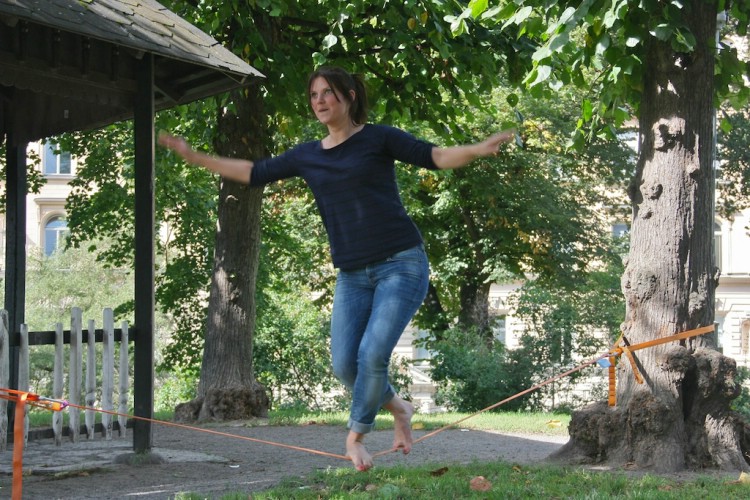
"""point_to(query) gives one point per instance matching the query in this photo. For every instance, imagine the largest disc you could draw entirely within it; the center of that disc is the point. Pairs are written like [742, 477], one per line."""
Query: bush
[472, 374]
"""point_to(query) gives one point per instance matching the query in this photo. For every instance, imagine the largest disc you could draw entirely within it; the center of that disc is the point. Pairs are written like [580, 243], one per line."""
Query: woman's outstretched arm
[459, 156]
[230, 168]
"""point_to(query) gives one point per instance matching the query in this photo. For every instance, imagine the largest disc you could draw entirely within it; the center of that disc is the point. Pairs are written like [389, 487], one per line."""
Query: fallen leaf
[744, 478]
[554, 423]
[479, 483]
[417, 426]
[371, 487]
[439, 472]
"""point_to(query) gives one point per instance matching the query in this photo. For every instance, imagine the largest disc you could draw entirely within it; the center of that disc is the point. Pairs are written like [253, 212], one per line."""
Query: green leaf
[662, 31]
[725, 126]
[512, 100]
[519, 17]
[329, 41]
[477, 7]
[588, 110]
[632, 41]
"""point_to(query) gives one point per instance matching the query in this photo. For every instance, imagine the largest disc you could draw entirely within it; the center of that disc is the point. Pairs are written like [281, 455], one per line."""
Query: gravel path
[211, 465]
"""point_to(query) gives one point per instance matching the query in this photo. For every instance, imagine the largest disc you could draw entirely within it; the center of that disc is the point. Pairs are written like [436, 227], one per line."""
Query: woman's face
[328, 105]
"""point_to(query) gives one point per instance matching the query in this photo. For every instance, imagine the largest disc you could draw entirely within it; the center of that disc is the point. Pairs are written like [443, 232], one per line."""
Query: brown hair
[343, 82]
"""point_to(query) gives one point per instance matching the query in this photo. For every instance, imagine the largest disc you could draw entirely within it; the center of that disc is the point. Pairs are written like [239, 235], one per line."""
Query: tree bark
[679, 417]
[228, 389]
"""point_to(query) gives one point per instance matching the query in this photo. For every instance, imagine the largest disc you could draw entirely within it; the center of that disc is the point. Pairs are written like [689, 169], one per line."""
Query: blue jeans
[371, 308]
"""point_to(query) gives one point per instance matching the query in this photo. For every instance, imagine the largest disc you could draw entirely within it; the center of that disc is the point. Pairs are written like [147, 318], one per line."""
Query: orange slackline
[57, 405]
[611, 354]
[217, 433]
[21, 398]
[628, 349]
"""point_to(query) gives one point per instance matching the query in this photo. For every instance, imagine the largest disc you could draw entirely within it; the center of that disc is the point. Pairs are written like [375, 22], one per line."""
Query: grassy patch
[521, 423]
[492, 480]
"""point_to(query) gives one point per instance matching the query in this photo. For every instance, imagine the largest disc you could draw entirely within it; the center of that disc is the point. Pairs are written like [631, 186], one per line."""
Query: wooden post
[4, 377]
[143, 384]
[15, 252]
[76, 372]
[90, 415]
[124, 374]
[23, 375]
[57, 382]
[108, 368]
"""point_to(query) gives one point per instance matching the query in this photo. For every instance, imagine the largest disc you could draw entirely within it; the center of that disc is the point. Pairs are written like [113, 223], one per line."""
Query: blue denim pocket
[413, 254]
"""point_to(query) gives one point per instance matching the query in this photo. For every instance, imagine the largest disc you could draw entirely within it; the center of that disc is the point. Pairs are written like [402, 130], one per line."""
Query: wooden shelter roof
[70, 64]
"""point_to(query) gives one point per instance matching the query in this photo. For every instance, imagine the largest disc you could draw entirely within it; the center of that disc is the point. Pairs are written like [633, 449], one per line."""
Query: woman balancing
[378, 251]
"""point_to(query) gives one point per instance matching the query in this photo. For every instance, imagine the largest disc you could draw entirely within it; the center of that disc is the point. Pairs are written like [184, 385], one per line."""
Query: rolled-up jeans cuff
[360, 427]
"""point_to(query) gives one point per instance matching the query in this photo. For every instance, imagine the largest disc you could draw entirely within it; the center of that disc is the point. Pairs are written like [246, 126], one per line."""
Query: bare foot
[357, 452]
[402, 412]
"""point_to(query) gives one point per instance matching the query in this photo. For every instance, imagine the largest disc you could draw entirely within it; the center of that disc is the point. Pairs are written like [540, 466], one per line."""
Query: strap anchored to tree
[622, 346]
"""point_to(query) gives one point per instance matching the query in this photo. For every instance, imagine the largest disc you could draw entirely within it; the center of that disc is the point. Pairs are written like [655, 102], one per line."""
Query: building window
[499, 329]
[421, 354]
[54, 235]
[717, 244]
[56, 162]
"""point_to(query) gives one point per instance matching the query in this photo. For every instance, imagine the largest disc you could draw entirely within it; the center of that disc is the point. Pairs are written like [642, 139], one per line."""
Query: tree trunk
[475, 306]
[228, 389]
[679, 417]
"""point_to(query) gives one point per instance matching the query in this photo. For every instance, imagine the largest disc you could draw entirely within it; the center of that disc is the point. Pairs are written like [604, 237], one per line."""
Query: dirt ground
[211, 465]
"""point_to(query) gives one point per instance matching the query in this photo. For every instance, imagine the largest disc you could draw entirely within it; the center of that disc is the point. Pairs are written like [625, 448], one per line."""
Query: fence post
[4, 378]
[76, 373]
[90, 415]
[124, 374]
[57, 382]
[23, 376]
[108, 366]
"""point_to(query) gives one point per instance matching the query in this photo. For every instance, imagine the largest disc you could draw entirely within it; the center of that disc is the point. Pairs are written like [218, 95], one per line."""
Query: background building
[45, 211]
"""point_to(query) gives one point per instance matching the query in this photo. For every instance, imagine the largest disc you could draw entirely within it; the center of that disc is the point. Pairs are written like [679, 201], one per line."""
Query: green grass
[523, 423]
[505, 480]
[43, 418]
[502, 480]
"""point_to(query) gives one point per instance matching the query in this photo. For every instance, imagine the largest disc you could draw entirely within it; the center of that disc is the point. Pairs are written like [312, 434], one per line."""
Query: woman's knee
[345, 372]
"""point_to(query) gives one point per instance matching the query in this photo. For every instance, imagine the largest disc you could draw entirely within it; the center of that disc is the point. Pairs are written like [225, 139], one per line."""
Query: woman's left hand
[491, 145]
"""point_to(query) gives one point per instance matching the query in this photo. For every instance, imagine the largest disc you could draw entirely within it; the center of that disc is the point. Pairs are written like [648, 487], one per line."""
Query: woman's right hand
[235, 169]
[176, 144]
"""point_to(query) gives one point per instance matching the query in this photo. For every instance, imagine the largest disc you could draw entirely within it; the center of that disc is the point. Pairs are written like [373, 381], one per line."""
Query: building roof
[71, 64]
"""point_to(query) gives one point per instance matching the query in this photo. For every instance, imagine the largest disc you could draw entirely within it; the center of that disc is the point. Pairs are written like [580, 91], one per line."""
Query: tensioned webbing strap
[622, 347]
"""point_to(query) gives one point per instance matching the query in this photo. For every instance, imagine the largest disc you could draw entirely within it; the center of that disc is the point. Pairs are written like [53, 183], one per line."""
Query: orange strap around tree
[620, 348]
[612, 399]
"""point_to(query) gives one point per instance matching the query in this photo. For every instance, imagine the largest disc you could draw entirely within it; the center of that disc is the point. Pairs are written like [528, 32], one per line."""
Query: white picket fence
[79, 389]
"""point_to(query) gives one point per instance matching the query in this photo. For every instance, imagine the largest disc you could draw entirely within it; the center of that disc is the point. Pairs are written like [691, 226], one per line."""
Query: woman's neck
[337, 135]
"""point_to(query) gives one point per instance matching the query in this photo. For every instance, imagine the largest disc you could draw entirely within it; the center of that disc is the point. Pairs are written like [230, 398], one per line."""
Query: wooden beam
[143, 366]
[15, 253]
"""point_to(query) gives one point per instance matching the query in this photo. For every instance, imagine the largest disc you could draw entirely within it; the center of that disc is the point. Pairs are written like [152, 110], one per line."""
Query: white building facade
[45, 211]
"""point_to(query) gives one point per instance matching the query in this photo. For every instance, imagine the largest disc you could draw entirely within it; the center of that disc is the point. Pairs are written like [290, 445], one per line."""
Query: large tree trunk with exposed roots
[228, 389]
[679, 417]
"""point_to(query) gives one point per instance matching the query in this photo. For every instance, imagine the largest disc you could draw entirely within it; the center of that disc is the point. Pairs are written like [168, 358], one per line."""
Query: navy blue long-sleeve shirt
[354, 184]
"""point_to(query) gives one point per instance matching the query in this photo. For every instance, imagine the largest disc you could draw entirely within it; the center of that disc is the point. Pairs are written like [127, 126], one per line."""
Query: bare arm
[230, 168]
[459, 156]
